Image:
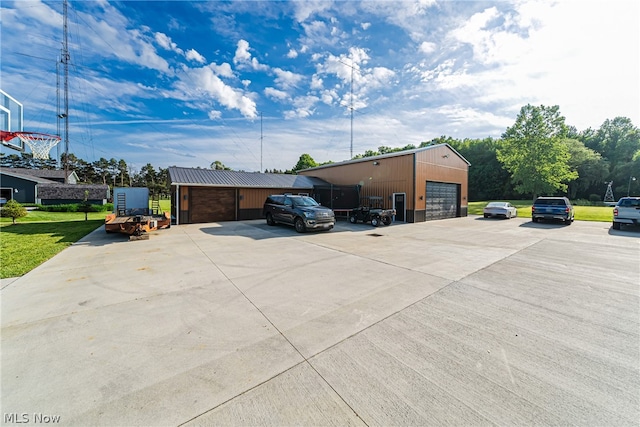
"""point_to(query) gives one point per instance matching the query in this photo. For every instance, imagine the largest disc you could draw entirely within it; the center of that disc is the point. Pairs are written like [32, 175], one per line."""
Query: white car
[503, 209]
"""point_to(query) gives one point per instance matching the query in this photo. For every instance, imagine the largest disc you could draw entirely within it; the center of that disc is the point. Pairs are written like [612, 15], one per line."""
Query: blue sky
[186, 83]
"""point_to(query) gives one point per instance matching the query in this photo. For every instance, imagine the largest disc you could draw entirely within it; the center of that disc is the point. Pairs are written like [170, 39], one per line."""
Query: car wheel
[353, 219]
[386, 220]
[375, 221]
[300, 228]
[616, 226]
[508, 215]
[270, 220]
[486, 216]
[534, 219]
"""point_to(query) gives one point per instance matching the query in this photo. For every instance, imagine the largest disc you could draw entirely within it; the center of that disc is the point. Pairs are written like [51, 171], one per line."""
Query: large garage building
[206, 195]
[421, 184]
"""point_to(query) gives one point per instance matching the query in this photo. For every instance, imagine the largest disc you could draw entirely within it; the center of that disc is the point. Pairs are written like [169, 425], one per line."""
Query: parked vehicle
[552, 208]
[3, 201]
[371, 210]
[626, 212]
[302, 212]
[502, 209]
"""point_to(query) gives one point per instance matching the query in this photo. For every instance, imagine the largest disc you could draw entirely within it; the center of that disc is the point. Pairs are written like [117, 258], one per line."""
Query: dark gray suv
[303, 212]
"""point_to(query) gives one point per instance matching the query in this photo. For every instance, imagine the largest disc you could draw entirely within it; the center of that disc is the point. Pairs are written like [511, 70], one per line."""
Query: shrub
[13, 210]
[75, 207]
[594, 198]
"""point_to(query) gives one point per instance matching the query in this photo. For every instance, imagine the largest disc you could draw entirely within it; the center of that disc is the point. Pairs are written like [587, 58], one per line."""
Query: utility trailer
[132, 215]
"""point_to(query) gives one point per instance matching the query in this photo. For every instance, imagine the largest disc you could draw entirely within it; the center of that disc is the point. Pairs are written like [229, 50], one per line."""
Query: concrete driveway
[466, 321]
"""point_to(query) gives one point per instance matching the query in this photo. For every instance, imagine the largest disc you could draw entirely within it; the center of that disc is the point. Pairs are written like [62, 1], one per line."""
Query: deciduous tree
[533, 152]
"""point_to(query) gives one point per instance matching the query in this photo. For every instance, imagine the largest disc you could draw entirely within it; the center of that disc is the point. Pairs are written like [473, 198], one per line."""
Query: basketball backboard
[11, 119]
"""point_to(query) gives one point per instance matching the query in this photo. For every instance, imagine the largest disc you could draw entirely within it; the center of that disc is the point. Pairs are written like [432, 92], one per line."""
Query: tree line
[542, 155]
[538, 155]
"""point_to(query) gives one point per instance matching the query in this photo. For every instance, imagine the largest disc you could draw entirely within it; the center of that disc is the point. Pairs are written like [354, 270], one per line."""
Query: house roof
[41, 173]
[386, 156]
[16, 173]
[224, 178]
[72, 191]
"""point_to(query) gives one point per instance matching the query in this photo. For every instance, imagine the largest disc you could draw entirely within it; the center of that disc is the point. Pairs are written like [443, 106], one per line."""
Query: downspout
[415, 177]
[177, 204]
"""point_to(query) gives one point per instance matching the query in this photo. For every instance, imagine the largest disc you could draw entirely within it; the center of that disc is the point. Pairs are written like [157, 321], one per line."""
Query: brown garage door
[212, 204]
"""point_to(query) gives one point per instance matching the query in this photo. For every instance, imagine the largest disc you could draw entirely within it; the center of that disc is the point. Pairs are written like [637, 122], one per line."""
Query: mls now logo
[36, 418]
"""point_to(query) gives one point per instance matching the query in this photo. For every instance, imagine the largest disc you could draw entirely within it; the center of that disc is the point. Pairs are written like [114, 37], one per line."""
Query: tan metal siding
[440, 165]
[390, 175]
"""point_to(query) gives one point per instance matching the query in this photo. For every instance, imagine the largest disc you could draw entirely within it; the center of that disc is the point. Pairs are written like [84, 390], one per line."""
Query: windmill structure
[608, 196]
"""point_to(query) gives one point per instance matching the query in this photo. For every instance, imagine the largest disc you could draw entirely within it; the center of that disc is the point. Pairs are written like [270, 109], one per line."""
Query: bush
[594, 198]
[75, 207]
[13, 210]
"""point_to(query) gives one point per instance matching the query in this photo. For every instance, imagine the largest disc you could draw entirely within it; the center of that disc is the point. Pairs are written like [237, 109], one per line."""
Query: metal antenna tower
[351, 108]
[65, 60]
[608, 196]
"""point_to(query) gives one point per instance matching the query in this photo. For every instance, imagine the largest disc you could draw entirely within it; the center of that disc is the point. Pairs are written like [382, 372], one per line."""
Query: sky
[255, 84]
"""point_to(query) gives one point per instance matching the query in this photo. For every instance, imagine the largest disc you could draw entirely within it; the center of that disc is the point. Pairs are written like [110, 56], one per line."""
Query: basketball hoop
[39, 143]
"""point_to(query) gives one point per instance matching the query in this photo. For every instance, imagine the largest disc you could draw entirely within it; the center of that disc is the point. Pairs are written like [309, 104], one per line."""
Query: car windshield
[496, 205]
[304, 201]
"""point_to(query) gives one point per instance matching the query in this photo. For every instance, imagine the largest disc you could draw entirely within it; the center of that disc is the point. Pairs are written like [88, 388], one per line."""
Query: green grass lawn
[26, 244]
[582, 213]
[40, 235]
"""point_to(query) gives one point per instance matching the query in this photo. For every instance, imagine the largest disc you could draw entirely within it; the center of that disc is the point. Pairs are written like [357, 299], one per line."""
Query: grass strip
[26, 245]
[582, 213]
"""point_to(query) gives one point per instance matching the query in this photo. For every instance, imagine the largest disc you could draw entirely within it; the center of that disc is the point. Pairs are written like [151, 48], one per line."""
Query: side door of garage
[443, 200]
[212, 204]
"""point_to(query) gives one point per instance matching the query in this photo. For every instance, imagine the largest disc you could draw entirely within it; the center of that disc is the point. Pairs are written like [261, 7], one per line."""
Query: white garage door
[442, 200]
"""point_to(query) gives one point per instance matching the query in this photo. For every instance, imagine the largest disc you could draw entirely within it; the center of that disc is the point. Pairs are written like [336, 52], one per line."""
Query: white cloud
[365, 25]
[203, 82]
[287, 79]
[223, 70]
[305, 9]
[166, 43]
[292, 54]
[214, 114]
[427, 47]
[316, 82]
[276, 94]
[242, 53]
[193, 55]
[243, 57]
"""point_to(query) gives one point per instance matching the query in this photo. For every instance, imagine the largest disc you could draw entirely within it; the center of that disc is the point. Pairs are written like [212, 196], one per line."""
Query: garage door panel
[442, 200]
[212, 205]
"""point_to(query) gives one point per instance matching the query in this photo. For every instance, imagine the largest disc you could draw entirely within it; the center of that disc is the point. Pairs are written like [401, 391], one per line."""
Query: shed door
[212, 204]
[443, 200]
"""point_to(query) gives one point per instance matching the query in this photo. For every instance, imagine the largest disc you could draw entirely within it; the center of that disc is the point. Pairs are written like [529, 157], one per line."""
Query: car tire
[270, 220]
[616, 226]
[534, 219]
[375, 221]
[386, 220]
[486, 216]
[299, 224]
[353, 219]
